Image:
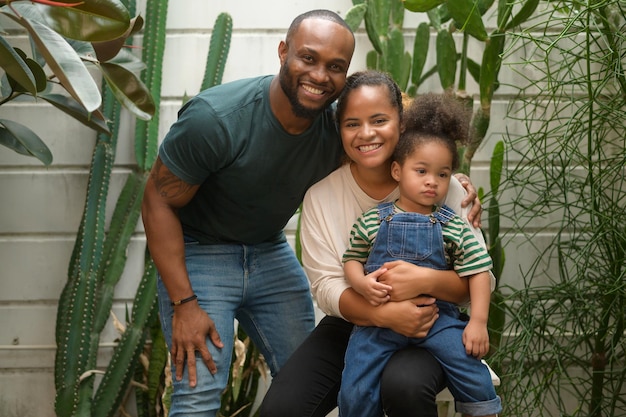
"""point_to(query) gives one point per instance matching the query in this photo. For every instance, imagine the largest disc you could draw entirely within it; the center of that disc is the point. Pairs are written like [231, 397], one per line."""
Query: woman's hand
[471, 198]
[411, 318]
[408, 281]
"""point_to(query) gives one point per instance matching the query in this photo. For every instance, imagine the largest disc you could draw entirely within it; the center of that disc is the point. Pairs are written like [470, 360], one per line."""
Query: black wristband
[184, 300]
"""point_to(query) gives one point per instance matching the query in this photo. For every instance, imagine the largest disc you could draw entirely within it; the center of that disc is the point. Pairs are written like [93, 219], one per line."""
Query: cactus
[76, 312]
[97, 263]
[218, 51]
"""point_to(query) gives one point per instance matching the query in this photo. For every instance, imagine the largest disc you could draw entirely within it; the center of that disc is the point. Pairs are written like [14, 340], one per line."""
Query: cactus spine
[218, 51]
[96, 266]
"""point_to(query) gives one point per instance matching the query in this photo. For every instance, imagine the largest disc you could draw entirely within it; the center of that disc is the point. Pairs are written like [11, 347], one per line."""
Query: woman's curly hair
[433, 117]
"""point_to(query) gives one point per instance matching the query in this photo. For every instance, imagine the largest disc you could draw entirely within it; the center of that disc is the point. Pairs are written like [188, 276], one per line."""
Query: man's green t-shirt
[253, 174]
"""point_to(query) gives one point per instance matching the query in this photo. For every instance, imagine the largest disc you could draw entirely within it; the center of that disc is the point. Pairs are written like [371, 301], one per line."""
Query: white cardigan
[329, 210]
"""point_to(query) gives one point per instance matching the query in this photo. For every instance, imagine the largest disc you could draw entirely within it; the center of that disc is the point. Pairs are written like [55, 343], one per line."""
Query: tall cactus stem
[218, 51]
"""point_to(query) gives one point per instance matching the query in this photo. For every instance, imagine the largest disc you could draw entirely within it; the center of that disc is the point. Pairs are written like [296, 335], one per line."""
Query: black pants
[308, 384]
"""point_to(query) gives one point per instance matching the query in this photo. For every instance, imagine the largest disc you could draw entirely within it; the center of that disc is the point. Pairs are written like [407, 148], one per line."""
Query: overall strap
[385, 210]
[444, 214]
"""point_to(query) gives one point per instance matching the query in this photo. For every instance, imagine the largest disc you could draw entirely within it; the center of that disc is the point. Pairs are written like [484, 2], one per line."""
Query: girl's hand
[376, 293]
[476, 339]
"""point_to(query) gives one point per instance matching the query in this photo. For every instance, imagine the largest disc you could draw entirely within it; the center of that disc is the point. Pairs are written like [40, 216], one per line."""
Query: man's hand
[190, 327]
[472, 197]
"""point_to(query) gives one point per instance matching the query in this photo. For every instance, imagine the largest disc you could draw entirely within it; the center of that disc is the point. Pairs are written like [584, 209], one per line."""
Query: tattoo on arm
[167, 184]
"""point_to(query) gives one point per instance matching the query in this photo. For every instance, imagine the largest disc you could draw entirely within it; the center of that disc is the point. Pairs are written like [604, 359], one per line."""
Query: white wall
[41, 207]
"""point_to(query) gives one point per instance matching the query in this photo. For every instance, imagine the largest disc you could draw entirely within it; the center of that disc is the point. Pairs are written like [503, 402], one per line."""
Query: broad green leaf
[93, 20]
[16, 68]
[495, 168]
[129, 90]
[490, 68]
[64, 63]
[422, 5]
[473, 68]
[41, 80]
[24, 141]
[525, 12]
[446, 59]
[128, 60]
[420, 51]
[371, 60]
[466, 13]
[94, 120]
[396, 58]
[355, 15]
[375, 30]
[107, 50]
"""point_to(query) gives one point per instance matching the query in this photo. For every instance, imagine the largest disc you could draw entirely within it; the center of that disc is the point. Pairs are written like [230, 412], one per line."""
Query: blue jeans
[370, 348]
[262, 286]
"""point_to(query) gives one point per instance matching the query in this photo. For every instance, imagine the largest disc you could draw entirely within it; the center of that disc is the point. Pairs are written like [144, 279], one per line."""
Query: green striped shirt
[463, 251]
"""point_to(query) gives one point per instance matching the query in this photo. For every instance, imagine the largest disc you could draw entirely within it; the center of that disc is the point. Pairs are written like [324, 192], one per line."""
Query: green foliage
[66, 41]
[97, 264]
[248, 367]
[565, 328]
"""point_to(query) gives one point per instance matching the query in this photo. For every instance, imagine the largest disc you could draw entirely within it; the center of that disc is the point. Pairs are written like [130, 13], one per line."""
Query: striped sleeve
[469, 256]
[362, 237]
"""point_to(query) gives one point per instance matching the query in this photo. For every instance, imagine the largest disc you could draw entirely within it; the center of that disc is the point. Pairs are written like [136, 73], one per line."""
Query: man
[230, 174]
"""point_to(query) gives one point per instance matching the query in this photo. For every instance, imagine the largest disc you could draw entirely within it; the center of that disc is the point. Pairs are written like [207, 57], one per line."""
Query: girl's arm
[476, 336]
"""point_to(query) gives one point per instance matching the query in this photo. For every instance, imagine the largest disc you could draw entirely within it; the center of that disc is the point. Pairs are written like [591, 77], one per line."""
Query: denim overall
[418, 239]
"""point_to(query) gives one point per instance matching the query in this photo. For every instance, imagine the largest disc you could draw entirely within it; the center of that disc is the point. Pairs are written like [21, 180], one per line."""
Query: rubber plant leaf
[64, 63]
[15, 67]
[41, 80]
[422, 5]
[107, 50]
[92, 21]
[129, 90]
[68, 105]
[24, 141]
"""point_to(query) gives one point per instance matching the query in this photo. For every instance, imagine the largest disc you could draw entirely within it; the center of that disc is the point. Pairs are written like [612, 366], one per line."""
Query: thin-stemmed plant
[564, 349]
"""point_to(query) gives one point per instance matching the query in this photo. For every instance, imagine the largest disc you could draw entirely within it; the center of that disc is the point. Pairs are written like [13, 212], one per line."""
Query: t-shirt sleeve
[359, 246]
[196, 144]
[470, 256]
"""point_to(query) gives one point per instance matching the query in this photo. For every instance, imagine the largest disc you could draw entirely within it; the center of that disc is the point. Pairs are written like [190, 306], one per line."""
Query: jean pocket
[410, 240]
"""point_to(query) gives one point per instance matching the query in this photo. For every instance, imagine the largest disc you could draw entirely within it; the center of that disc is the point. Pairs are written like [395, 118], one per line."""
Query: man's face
[314, 65]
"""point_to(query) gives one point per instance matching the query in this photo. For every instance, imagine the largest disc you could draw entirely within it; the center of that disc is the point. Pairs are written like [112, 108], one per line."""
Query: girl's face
[370, 126]
[424, 177]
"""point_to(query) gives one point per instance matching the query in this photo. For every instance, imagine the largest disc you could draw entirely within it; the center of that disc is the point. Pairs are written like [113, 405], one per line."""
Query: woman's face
[370, 126]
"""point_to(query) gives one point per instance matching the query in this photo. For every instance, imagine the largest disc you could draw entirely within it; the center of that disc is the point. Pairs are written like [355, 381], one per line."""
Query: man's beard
[292, 95]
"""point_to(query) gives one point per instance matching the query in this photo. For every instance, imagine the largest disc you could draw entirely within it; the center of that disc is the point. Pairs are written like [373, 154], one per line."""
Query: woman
[369, 115]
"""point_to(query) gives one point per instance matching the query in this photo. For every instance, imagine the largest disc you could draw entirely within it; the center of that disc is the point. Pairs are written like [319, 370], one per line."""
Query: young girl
[420, 229]
[369, 116]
